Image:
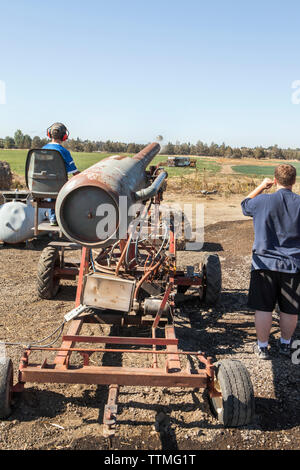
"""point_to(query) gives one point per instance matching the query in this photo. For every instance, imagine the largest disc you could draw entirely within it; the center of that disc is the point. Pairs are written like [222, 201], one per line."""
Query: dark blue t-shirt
[70, 165]
[276, 219]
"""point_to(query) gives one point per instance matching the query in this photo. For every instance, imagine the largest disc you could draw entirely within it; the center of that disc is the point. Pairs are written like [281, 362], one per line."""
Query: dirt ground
[70, 416]
[216, 208]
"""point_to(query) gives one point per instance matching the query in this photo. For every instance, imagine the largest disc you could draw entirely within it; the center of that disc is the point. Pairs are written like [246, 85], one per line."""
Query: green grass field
[202, 165]
[17, 159]
[259, 170]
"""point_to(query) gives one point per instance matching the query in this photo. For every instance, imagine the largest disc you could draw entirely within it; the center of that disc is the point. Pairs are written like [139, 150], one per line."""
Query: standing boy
[275, 273]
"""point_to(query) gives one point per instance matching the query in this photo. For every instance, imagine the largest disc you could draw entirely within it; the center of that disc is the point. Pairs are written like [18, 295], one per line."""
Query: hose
[37, 343]
[153, 189]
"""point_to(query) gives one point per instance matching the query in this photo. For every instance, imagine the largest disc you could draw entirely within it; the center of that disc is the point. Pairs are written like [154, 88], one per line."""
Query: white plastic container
[17, 221]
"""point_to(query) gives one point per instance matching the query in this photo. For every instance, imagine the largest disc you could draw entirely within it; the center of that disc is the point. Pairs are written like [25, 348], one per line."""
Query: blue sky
[130, 70]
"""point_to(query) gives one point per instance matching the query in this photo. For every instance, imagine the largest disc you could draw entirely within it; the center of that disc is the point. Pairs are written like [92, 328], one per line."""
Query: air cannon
[135, 282]
[94, 208]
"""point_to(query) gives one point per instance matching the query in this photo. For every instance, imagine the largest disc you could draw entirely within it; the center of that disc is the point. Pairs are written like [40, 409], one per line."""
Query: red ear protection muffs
[66, 136]
[62, 127]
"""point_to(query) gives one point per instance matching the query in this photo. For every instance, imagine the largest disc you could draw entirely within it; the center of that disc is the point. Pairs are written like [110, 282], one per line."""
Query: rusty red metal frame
[171, 374]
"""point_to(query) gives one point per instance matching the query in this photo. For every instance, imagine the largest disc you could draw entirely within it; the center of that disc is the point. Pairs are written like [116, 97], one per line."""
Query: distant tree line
[223, 150]
[21, 141]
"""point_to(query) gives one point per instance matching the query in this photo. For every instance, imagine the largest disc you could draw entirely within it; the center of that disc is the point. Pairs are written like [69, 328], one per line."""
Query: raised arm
[267, 183]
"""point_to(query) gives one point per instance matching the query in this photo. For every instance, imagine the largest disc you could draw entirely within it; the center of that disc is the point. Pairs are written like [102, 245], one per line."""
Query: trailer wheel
[47, 282]
[6, 385]
[212, 274]
[236, 405]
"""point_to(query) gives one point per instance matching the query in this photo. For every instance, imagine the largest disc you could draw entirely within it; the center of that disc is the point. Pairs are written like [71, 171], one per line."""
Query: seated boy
[58, 133]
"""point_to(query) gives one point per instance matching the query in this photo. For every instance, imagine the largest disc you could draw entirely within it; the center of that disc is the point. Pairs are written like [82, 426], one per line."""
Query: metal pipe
[153, 189]
[88, 208]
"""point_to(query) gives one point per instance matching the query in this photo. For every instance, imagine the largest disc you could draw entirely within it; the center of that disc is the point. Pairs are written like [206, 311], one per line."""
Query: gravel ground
[70, 416]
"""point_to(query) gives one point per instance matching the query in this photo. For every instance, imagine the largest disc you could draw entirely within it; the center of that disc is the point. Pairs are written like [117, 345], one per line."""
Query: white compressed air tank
[17, 221]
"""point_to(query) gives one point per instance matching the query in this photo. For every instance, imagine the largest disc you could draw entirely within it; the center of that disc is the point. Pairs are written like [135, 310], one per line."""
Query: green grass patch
[260, 170]
[85, 160]
[17, 160]
[203, 165]
[253, 170]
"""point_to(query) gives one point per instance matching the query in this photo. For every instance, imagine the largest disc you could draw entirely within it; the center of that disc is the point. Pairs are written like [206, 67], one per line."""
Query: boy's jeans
[52, 216]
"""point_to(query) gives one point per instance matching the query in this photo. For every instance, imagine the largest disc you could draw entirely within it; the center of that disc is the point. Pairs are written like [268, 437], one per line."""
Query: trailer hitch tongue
[110, 414]
[110, 411]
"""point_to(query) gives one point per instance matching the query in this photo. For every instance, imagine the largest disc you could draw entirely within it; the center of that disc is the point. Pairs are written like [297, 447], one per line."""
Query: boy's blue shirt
[70, 165]
[276, 219]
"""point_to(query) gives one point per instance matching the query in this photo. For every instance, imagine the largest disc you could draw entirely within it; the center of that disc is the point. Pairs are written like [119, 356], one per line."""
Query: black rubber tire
[236, 406]
[6, 384]
[212, 279]
[47, 284]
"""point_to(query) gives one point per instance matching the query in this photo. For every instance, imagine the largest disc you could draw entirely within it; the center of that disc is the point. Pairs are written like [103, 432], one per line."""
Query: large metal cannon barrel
[92, 207]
